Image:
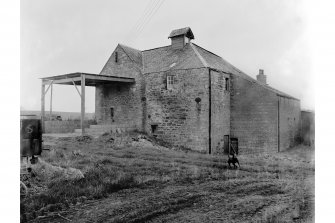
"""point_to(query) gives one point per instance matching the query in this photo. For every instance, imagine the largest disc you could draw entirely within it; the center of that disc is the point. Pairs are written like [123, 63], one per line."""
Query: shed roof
[90, 79]
[183, 31]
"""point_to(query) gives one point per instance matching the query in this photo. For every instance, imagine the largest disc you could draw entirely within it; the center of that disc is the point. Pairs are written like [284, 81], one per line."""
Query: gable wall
[125, 98]
[181, 121]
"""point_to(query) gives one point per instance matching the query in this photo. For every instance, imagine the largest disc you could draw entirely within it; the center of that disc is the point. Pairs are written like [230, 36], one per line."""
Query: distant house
[191, 97]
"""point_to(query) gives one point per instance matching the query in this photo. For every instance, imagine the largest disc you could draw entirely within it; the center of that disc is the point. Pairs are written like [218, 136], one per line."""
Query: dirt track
[200, 188]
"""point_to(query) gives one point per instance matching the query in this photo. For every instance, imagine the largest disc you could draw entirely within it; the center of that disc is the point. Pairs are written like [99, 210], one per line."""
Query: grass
[153, 183]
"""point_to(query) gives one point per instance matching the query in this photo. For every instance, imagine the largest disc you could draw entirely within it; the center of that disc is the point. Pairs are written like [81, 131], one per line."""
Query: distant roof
[183, 31]
[307, 110]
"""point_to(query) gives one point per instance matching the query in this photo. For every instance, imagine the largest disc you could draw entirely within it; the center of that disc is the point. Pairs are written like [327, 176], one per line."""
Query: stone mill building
[190, 97]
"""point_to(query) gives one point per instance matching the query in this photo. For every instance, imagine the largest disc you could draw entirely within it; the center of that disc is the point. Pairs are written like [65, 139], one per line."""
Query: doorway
[112, 113]
[226, 144]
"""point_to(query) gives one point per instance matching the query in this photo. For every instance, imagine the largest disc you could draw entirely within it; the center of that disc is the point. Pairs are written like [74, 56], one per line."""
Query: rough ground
[171, 185]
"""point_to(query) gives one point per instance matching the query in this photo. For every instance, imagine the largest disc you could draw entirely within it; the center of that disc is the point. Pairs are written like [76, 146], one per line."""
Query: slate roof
[216, 62]
[134, 54]
[166, 58]
[183, 31]
[191, 56]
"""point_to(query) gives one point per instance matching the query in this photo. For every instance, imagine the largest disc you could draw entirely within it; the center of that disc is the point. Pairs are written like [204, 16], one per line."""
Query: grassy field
[114, 178]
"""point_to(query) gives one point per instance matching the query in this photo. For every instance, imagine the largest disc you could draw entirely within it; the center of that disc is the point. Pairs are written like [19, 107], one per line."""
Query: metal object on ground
[30, 137]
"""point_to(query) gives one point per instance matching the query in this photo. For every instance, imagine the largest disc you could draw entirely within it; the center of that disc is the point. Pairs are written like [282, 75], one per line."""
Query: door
[234, 146]
[226, 144]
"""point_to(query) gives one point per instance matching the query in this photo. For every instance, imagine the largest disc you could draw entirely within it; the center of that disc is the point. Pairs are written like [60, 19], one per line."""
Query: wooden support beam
[50, 83]
[62, 81]
[107, 78]
[76, 88]
[51, 102]
[82, 104]
[42, 106]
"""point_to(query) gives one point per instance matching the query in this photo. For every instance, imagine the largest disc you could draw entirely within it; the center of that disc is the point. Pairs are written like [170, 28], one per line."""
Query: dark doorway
[234, 145]
[153, 130]
[226, 144]
[112, 113]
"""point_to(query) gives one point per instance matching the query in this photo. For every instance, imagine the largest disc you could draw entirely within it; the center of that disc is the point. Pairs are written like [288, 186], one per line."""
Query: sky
[59, 37]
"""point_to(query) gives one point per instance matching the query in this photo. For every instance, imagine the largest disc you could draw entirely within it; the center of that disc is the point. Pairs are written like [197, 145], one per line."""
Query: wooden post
[82, 103]
[42, 106]
[51, 102]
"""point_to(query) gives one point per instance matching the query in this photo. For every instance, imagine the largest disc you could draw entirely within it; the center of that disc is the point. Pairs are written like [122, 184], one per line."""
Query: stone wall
[308, 127]
[178, 118]
[254, 115]
[63, 126]
[289, 119]
[126, 100]
[220, 118]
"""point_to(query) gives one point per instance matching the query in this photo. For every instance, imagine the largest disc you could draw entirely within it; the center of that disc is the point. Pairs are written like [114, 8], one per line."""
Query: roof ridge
[123, 45]
[203, 61]
[156, 48]
[206, 50]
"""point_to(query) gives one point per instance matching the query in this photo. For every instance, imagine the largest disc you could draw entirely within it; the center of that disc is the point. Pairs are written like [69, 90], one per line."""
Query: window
[116, 57]
[169, 82]
[227, 84]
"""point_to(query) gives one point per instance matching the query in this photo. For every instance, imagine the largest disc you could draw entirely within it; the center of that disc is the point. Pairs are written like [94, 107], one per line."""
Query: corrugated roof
[183, 31]
[134, 54]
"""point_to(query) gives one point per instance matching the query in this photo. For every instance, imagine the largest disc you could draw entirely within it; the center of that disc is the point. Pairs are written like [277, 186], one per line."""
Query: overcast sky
[63, 36]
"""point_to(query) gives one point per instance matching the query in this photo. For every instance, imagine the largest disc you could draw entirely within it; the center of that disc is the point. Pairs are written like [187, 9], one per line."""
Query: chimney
[261, 77]
[180, 37]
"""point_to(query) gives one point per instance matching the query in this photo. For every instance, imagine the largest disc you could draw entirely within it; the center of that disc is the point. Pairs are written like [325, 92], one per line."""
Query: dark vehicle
[30, 136]
[54, 117]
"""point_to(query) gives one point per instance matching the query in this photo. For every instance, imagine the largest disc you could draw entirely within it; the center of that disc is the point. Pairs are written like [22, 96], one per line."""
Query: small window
[169, 82]
[227, 84]
[153, 130]
[116, 57]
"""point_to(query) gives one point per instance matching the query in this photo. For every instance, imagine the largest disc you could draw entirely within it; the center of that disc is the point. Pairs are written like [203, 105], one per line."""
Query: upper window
[227, 84]
[116, 57]
[169, 81]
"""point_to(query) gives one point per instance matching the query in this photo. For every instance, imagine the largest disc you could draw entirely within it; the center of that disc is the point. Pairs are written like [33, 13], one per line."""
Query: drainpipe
[210, 112]
[278, 120]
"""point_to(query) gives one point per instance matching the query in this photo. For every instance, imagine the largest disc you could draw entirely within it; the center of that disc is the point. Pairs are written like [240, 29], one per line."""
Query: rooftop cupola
[180, 37]
[261, 77]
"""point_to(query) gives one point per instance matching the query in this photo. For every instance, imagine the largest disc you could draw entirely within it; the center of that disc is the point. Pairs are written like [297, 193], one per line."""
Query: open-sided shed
[77, 79]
